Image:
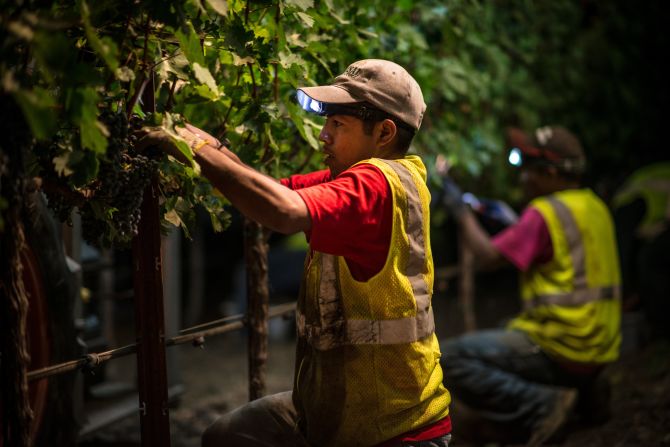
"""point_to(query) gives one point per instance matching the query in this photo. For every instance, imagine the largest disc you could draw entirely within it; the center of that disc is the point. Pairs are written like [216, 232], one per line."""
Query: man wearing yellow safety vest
[367, 362]
[521, 383]
[642, 217]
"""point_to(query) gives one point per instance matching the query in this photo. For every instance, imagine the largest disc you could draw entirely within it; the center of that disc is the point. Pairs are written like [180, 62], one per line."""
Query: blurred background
[594, 67]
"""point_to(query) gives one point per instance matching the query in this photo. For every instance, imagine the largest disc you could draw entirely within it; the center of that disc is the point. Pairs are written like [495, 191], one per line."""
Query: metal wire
[195, 335]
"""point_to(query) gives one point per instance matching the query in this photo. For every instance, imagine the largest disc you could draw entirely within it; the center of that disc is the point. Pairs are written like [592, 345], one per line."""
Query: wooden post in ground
[466, 286]
[258, 297]
[149, 311]
[150, 325]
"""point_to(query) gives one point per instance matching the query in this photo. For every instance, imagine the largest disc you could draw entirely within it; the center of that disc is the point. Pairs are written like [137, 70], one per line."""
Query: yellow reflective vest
[572, 304]
[652, 184]
[367, 362]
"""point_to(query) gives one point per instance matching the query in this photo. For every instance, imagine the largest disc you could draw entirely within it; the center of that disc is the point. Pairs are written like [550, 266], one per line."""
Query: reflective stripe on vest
[334, 330]
[581, 293]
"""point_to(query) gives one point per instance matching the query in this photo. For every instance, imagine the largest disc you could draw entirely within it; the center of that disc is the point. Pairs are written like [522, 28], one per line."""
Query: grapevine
[77, 69]
[110, 207]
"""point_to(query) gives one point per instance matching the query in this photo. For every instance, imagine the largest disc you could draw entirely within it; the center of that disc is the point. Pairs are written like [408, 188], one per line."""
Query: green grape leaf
[61, 165]
[179, 208]
[203, 75]
[206, 92]
[103, 46]
[238, 61]
[54, 53]
[180, 214]
[94, 136]
[310, 128]
[189, 42]
[84, 165]
[172, 216]
[38, 107]
[220, 6]
[236, 35]
[295, 40]
[287, 60]
[302, 123]
[177, 65]
[124, 74]
[82, 108]
[307, 19]
[271, 140]
[217, 223]
[300, 4]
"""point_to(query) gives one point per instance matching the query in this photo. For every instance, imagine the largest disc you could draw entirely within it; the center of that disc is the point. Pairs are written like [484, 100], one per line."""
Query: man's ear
[387, 132]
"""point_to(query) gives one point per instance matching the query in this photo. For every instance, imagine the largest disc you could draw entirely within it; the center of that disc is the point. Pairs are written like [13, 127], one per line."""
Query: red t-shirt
[352, 217]
[527, 242]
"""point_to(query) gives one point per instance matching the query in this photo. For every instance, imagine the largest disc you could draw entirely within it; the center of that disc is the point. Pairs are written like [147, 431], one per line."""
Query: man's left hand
[160, 138]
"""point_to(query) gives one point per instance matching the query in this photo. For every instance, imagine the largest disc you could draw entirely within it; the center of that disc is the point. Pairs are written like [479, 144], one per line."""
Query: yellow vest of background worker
[367, 362]
[572, 304]
[652, 184]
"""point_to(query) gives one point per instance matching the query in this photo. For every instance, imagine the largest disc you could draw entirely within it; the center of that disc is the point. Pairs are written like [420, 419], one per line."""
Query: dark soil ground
[640, 405]
[215, 381]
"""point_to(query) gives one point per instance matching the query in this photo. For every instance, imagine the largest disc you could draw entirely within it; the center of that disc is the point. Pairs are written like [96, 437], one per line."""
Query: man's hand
[160, 138]
[442, 165]
[203, 135]
[452, 198]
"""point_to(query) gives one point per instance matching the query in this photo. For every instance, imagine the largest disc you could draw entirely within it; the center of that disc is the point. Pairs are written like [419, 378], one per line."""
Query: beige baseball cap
[380, 83]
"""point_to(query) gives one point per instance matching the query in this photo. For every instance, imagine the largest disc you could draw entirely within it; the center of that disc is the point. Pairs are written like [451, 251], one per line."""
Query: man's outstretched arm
[487, 256]
[257, 196]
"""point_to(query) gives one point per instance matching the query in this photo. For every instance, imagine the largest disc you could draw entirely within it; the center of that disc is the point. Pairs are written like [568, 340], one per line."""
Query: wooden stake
[150, 325]
[256, 259]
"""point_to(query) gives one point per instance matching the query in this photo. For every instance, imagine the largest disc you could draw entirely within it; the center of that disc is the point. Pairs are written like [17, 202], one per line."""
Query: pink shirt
[526, 243]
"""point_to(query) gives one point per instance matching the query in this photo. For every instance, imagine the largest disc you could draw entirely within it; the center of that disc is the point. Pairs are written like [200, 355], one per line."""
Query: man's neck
[388, 154]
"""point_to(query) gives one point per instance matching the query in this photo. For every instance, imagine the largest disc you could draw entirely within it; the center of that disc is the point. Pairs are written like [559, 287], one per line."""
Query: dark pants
[272, 422]
[507, 380]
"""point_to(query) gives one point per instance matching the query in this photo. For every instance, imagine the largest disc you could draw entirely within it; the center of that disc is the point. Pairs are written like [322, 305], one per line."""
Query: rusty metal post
[150, 325]
[256, 259]
[466, 285]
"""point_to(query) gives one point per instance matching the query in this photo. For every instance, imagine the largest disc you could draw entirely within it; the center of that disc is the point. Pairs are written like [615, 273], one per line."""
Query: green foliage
[231, 67]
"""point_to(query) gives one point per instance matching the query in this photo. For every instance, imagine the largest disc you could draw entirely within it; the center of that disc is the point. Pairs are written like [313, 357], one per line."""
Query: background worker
[520, 382]
[642, 219]
[367, 362]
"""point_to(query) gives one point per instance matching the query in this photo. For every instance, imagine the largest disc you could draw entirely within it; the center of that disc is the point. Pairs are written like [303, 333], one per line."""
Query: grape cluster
[122, 179]
[112, 214]
[117, 145]
[136, 175]
[58, 202]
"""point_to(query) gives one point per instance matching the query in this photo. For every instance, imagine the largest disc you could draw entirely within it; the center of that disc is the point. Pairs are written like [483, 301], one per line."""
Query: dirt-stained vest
[652, 184]
[571, 304]
[367, 363]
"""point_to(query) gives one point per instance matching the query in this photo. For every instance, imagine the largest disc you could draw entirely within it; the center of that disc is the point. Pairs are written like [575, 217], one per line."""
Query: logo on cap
[352, 71]
[544, 134]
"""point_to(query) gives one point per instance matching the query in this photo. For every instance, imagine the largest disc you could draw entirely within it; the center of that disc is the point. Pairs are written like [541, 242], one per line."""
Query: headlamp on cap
[515, 158]
[309, 104]
[359, 110]
[527, 156]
